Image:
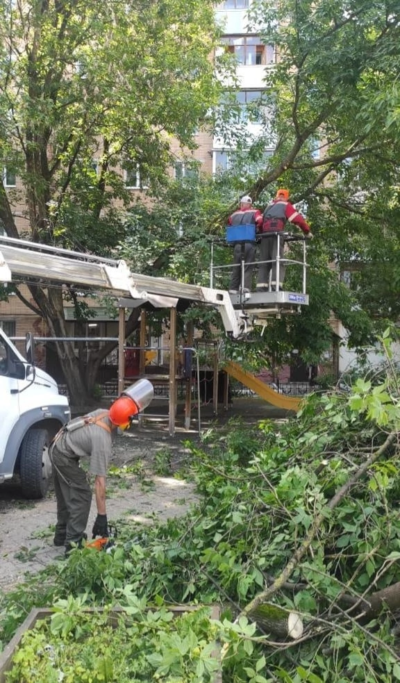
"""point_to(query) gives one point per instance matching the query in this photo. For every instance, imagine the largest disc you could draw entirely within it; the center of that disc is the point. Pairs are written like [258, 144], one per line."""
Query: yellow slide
[263, 390]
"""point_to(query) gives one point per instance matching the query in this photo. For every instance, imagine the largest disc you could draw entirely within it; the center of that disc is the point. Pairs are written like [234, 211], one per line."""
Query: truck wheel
[35, 465]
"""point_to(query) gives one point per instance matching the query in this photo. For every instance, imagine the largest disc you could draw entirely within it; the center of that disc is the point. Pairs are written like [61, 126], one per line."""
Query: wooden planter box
[44, 613]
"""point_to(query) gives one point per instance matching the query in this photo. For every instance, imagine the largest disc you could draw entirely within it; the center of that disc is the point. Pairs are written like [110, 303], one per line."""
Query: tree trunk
[278, 621]
[387, 598]
[80, 373]
[51, 305]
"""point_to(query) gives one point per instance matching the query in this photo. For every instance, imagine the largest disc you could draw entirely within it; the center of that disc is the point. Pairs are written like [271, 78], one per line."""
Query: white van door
[9, 401]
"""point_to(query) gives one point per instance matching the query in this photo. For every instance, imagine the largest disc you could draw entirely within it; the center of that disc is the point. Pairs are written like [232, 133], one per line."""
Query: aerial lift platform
[257, 307]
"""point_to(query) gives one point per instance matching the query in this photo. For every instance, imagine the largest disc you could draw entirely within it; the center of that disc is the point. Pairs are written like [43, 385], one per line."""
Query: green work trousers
[74, 497]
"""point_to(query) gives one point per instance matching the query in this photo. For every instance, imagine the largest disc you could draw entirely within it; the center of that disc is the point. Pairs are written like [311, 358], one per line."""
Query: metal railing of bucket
[278, 261]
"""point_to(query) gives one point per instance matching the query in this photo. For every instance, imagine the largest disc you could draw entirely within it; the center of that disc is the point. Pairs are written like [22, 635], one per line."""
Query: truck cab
[31, 412]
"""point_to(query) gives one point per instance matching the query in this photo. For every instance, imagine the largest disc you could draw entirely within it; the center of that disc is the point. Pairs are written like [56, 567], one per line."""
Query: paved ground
[138, 491]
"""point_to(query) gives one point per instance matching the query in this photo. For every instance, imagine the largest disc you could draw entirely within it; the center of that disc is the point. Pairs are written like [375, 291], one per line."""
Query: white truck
[31, 412]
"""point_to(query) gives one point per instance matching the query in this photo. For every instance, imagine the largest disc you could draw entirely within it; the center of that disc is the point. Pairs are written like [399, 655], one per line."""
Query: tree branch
[27, 303]
[6, 214]
[341, 205]
[318, 521]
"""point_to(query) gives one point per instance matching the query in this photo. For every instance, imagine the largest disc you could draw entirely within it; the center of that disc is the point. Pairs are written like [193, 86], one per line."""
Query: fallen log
[279, 622]
[388, 598]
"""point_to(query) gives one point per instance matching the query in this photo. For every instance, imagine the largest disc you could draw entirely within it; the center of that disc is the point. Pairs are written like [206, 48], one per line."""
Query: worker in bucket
[244, 215]
[89, 437]
[275, 217]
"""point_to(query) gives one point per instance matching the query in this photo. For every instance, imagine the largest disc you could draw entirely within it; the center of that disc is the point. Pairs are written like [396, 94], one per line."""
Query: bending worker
[245, 215]
[276, 215]
[89, 437]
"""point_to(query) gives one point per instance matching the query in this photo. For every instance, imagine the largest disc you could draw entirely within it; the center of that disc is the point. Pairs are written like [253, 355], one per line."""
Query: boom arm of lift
[41, 264]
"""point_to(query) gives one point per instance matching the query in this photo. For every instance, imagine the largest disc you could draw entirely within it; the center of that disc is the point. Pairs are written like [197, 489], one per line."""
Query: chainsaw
[104, 542]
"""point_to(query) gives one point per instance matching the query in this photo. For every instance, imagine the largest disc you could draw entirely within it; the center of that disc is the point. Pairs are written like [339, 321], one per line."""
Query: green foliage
[87, 95]
[163, 462]
[261, 492]
[131, 646]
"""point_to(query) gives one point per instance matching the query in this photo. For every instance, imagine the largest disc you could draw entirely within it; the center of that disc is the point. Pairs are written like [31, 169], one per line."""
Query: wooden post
[121, 350]
[215, 380]
[226, 391]
[335, 356]
[172, 372]
[142, 342]
[188, 398]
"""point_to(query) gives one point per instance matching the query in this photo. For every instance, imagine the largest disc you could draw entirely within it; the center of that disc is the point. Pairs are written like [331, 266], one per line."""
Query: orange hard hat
[282, 194]
[122, 410]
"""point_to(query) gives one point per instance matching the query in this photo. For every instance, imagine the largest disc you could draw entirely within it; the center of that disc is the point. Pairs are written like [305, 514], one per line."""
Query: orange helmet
[122, 410]
[283, 194]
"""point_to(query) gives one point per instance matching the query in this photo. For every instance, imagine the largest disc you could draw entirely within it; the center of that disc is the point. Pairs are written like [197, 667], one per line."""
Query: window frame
[222, 5]
[245, 101]
[10, 332]
[218, 168]
[186, 171]
[229, 162]
[6, 171]
[247, 45]
[138, 179]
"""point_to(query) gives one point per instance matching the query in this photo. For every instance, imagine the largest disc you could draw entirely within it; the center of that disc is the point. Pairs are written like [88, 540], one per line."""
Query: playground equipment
[260, 388]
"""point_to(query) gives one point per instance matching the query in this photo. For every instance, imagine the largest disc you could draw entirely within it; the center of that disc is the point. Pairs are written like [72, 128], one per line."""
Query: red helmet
[283, 194]
[122, 410]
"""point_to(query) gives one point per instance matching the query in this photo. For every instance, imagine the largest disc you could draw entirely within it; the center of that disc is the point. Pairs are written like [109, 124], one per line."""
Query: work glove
[309, 235]
[100, 527]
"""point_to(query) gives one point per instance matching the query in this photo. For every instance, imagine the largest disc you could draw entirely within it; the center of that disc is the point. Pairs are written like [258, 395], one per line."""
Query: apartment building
[253, 59]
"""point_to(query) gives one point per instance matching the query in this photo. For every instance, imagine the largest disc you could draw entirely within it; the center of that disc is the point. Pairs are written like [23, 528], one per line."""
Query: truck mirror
[30, 348]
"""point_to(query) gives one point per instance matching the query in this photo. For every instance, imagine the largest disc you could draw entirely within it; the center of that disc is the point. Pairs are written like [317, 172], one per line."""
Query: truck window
[3, 358]
[10, 365]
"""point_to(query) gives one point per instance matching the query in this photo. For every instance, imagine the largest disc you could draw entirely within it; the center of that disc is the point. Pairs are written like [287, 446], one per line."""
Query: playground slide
[263, 390]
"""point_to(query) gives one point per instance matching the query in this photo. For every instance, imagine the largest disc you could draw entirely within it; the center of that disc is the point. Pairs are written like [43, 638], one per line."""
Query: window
[234, 4]
[345, 277]
[3, 358]
[133, 179]
[249, 50]
[250, 101]
[9, 178]
[221, 161]
[186, 170]
[8, 327]
[315, 149]
[225, 160]
[80, 69]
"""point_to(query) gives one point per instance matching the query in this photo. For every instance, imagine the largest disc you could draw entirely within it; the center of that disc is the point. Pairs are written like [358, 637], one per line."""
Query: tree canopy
[87, 91]
[329, 120]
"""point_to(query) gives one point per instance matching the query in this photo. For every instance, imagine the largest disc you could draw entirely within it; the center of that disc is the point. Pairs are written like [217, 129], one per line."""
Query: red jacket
[285, 211]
